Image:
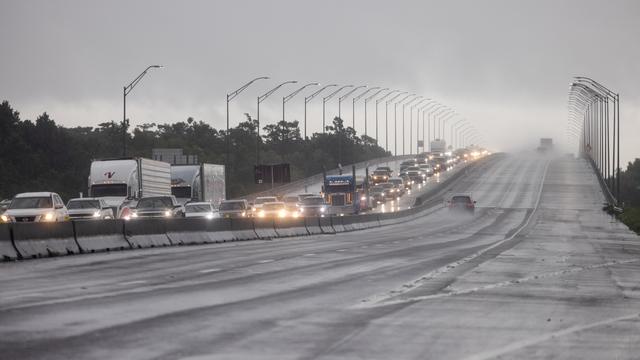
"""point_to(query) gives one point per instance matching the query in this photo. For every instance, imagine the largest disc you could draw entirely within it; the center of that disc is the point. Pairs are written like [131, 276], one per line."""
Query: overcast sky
[503, 65]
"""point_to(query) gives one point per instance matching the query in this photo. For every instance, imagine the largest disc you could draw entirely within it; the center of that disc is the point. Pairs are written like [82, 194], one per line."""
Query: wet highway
[540, 271]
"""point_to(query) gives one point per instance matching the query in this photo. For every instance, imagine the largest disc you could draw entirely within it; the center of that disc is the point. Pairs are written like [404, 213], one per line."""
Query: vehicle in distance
[36, 207]
[89, 208]
[158, 207]
[379, 176]
[201, 209]
[201, 183]
[390, 192]
[462, 202]
[407, 163]
[399, 184]
[407, 181]
[427, 169]
[233, 208]
[260, 201]
[376, 193]
[291, 203]
[313, 206]
[305, 195]
[275, 209]
[415, 174]
[385, 168]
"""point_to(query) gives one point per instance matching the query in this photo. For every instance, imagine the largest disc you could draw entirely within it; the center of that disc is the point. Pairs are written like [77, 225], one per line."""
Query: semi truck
[119, 180]
[546, 144]
[340, 193]
[203, 183]
[438, 146]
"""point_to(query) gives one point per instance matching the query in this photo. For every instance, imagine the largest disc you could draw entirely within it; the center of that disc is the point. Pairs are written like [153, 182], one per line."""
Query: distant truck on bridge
[202, 183]
[546, 144]
[339, 192]
[438, 146]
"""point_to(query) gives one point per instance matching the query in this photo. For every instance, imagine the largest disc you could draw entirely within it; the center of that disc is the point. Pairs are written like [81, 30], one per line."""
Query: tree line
[41, 155]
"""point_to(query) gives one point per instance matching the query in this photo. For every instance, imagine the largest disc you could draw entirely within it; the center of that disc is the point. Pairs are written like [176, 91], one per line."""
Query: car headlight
[323, 209]
[295, 214]
[96, 214]
[49, 217]
[167, 213]
[209, 216]
[261, 213]
[4, 218]
[244, 213]
[282, 213]
[364, 198]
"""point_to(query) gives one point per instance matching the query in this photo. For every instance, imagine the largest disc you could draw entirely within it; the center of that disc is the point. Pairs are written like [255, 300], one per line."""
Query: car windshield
[414, 168]
[313, 201]
[155, 203]
[83, 204]
[263, 200]
[461, 199]
[376, 189]
[380, 172]
[39, 202]
[396, 181]
[197, 208]
[232, 205]
[291, 199]
[273, 206]
[105, 190]
[387, 185]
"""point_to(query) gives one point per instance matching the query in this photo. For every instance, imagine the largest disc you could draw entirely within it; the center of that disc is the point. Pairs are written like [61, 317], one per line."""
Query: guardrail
[36, 240]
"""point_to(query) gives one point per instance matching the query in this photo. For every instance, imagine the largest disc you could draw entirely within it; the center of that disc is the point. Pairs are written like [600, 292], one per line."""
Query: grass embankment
[631, 218]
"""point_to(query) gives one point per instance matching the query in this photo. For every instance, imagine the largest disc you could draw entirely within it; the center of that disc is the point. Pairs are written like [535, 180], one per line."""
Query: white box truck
[117, 180]
[204, 182]
[438, 146]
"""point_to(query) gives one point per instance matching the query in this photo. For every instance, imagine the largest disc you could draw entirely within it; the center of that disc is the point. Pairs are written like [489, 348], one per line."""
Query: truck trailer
[203, 183]
[118, 180]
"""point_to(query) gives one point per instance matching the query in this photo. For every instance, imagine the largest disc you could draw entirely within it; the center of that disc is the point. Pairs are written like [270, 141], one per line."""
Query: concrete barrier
[242, 229]
[7, 250]
[313, 225]
[291, 227]
[336, 224]
[199, 231]
[369, 221]
[388, 218]
[325, 225]
[352, 223]
[146, 233]
[265, 228]
[34, 240]
[105, 235]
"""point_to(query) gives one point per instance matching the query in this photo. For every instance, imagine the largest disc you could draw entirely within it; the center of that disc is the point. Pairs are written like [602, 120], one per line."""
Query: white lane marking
[265, 261]
[21, 296]
[133, 282]
[311, 254]
[341, 250]
[206, 271]
[381, 299]
[518, 345]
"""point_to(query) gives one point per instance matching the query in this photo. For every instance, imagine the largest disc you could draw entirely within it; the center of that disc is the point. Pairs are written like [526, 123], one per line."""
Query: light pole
[366, 100]
[425, 130]
[231, 96]
[341, 98]
[285, 99]
[430, 110]
[324, 104]
[262, 98]
[404, 105]
[395, 121]
[444, 123]
[417, 125]
[439, 116]
[386, 118]
[353, 109]
[455, 128]
[453, 125]
[378, 101]
[307, 100]
[126, 90]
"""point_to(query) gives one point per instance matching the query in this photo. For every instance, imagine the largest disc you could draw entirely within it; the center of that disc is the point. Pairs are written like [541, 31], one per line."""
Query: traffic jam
[139, 188]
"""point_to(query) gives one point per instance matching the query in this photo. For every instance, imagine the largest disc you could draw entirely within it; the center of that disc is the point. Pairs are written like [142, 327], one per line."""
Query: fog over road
[540, 271]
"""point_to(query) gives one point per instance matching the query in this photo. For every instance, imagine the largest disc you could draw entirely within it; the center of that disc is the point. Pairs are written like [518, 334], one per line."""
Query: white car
[275, 209]
[200, 210]
[89, 208]
[36, 207]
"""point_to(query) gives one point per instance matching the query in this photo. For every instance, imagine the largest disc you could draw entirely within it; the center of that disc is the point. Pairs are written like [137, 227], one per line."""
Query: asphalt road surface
[538, 272]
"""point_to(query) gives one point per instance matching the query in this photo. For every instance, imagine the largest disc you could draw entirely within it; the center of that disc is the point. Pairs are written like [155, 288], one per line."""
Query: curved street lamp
[386, 118]
[341, 98]
[353, 108]
[262, 98]
[126, 90]
[324, 103]
[366, 100]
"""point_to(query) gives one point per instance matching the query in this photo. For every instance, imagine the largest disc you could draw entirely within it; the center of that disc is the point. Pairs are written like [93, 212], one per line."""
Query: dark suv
[158, 207]
[462, 202]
